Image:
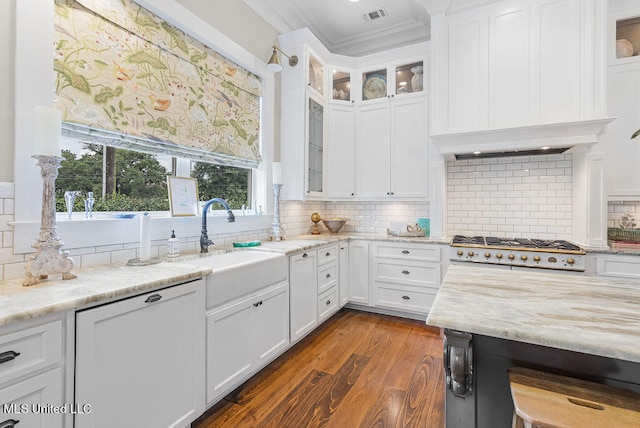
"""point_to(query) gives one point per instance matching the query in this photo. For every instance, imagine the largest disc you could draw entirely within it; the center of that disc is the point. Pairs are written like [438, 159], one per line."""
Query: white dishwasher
[140, 361]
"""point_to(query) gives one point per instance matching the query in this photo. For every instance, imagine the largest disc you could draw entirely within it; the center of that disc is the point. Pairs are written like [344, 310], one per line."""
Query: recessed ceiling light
[545, 148]
[402, 83]
[477, 152]
[354, 1]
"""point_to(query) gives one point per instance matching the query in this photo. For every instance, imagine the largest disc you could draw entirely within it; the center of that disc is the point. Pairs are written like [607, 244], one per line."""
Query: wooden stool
[550, 401]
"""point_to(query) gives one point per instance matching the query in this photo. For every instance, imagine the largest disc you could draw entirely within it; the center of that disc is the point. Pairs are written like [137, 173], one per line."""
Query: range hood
[524, 140]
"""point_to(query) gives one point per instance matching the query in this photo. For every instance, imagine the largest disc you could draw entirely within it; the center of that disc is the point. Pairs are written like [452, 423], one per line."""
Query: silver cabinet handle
[328, 254]
[256, 304]
[305, 255]
[153, 298]
[406, 272]
[9, 423]
[7, 356]
[328, 275]
[405, 251]
[406, 297]
[328, 302]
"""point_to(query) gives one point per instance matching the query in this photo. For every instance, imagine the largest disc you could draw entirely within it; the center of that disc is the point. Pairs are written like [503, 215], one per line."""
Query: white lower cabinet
[343, 273]
[243, 336]
[303, 294]
[32, 375]
[140, 361]
[314, 278]
[618, 265]
[406, 276]
[359, 272]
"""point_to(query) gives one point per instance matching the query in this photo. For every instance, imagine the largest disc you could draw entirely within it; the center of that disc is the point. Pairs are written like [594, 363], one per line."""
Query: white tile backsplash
[528, 196]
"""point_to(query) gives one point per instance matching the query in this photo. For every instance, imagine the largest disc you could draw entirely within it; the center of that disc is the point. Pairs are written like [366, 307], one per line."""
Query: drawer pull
[256, 304]
[405, 251]
[406, 272]
[305, 255]
[153, 298]
[328, 302]
[328, 275]
[406, 297]
[9, 423]
[328, 254]
[5, 357]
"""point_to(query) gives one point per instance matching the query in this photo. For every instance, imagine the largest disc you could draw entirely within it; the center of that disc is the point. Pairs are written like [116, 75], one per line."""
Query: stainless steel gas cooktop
[518, 252]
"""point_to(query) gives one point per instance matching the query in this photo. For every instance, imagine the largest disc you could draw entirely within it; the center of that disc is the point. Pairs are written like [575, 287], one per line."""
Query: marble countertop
[592, 315]
[92, 285]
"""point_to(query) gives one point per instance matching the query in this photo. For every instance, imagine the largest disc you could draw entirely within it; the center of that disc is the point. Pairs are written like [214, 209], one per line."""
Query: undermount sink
[238, 273]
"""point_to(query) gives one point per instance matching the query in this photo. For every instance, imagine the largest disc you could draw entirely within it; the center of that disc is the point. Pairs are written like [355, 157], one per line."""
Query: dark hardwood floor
[356, 370]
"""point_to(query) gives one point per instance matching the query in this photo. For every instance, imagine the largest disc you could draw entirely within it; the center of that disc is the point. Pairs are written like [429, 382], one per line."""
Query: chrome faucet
[204, 238]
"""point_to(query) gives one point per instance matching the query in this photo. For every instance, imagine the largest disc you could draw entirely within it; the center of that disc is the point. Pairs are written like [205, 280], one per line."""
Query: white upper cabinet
[362, 130]
[518, 63]
[623, 45]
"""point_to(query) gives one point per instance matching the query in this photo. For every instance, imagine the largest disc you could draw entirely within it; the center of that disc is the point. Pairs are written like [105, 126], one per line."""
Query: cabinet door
[270, 324]
[315, 145]
[140, 361]
[373, 164]
[409, 153]
[343, 276]
[22, 400]
[303, 294]
[359, 272]
[467, 51]
[622, 152]
[229, 336]
[341, 157]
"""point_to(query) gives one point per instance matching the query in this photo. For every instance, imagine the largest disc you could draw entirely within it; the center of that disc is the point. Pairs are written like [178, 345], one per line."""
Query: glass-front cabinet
[315, 145]
[316, 74]
[396, 79]
[341, 85]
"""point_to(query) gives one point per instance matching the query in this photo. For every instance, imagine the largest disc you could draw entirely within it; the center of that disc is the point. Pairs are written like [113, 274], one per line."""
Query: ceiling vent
[376, 14]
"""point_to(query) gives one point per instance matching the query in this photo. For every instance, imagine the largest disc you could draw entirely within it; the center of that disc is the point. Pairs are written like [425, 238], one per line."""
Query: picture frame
[183, 196]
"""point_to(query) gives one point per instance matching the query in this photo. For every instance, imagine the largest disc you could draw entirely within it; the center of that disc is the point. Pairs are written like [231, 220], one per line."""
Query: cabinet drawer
[327, 255]
[419, 252]
[327, 277]
[417, 274]
[19, 401]
[29, 350]
[328, 304]
[404, 299]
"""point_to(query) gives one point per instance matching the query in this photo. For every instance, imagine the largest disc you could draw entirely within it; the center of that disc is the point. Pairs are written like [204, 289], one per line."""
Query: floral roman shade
[126, 78]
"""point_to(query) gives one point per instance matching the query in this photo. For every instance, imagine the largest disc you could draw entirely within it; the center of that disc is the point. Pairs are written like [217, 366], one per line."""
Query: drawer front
[405, 300]
[327, 277]
[327, 255]
[328, 304]
[29, 350]
[418, 252]
[416, 274]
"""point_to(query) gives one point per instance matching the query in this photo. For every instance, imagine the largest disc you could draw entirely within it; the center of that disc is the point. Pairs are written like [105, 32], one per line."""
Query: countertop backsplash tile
[524, 196]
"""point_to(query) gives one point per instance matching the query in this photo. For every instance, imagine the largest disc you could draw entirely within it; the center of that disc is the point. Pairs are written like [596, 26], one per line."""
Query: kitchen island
[585, 327]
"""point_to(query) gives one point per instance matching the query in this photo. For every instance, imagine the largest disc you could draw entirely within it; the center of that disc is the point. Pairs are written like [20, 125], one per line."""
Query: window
[124, 180]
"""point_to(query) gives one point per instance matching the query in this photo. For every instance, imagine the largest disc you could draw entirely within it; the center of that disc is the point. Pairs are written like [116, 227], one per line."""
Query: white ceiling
[340, 24]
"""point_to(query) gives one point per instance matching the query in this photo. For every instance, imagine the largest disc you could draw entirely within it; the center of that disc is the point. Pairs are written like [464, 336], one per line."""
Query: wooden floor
[357, 370]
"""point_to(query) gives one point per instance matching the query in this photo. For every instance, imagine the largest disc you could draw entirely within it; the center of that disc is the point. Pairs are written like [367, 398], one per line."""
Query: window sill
[105, 230]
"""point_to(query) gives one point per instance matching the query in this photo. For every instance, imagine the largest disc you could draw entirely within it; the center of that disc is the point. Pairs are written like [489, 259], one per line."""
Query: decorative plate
[374, 87]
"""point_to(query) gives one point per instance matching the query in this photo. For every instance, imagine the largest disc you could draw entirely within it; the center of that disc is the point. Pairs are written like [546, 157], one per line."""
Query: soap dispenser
[174, 245]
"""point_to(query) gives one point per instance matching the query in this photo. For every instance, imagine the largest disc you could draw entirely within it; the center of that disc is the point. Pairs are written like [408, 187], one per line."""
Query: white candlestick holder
[48, 258]
[277, 228]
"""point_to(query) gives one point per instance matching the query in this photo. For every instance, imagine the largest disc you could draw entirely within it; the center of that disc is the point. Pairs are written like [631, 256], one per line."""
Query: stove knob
[536, 259]
[487, 255]
[460, 253]
[470, 253]
[570, 261]
[511, 257]
[499, 256]
[524, 258]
